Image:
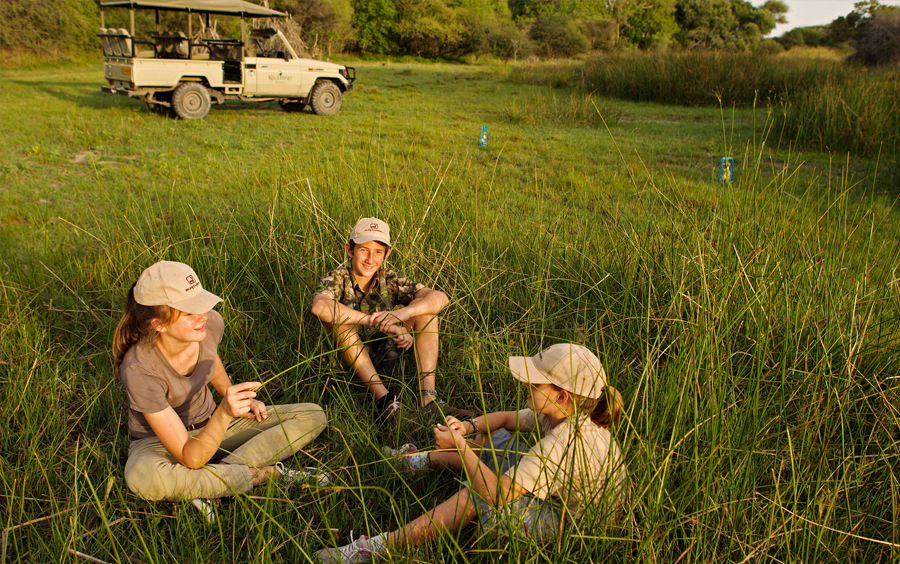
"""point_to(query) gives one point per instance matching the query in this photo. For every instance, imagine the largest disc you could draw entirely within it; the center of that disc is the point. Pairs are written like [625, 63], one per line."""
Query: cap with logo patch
[176, 285]
[573, 368]
[370, 229]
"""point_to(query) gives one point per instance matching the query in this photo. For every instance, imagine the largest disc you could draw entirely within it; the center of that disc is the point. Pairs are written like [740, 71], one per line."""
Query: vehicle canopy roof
[225, 7]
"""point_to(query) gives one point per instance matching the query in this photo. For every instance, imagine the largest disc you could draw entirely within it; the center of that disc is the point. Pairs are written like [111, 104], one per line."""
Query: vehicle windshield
[266, 43]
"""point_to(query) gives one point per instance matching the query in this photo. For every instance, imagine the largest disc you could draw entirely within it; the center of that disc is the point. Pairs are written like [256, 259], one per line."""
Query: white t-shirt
[573, 462]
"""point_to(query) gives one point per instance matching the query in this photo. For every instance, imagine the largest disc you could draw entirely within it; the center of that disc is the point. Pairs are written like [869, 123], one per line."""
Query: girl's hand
[238, 398]
[448, 438]
[455, 424]
[257, 411]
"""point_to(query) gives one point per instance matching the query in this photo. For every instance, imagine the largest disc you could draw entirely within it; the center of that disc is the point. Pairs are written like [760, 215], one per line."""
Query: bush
[768, 47]
[557, 35]
[879, 40]
[507, 41]
[602, 33]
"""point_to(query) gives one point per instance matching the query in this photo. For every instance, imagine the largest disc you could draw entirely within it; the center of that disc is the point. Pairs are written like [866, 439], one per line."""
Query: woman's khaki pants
[152, 473]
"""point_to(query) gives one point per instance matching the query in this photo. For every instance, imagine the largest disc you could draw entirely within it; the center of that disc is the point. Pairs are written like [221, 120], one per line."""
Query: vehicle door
[275, 72]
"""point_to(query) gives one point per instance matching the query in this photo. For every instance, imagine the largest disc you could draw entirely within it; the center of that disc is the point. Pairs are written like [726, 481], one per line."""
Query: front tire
[326, 99]
[191, 101]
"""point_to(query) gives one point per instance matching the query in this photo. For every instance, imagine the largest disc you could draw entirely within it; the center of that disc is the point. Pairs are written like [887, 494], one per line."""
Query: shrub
[879, 40]
[768, 47]
[507, 41]
[557, 35]
[601, 33]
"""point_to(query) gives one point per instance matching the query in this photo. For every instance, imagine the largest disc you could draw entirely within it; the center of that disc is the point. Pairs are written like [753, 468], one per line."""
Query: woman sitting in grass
[165, 353]
[511, 488]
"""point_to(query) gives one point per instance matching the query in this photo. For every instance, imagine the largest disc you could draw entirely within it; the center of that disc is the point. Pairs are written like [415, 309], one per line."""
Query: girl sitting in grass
[165, 354]
[514, 489]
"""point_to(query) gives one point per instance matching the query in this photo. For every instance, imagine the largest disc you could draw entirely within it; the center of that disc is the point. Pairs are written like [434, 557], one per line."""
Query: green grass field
[751, 328]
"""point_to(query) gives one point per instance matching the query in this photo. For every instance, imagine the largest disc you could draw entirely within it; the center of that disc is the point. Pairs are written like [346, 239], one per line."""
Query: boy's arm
[335, 313]
[425, 302]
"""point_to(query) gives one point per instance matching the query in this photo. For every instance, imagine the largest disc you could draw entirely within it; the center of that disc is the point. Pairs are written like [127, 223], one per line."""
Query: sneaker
[205, 507]
[399, 457]
[309, 474]
[389, 405]
[357, 552]
[440, 407]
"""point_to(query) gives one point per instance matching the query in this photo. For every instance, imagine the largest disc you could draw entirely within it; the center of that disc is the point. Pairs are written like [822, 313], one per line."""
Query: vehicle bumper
[114, 90]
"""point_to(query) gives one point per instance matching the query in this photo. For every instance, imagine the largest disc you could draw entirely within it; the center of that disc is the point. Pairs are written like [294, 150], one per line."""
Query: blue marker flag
[727, 173]
[483, 141]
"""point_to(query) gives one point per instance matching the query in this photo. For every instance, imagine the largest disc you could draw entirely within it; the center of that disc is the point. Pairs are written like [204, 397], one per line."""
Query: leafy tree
[428, 28]
[558, 35]
[375, 22]
[646, 24]
[530, 9]
[879, 40]
[706, 24]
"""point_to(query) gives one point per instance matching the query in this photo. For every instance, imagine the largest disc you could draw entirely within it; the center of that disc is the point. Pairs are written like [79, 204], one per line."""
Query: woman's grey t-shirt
[153, 385]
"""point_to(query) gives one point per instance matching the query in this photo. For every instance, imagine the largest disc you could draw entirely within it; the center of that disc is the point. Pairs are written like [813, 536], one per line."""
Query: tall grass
[686, 79]
[752, 330]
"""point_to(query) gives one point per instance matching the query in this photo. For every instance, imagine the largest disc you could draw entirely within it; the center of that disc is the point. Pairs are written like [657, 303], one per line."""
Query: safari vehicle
[170, 72]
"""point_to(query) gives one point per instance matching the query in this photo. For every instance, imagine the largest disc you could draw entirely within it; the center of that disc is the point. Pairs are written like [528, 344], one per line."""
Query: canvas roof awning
[225, 7]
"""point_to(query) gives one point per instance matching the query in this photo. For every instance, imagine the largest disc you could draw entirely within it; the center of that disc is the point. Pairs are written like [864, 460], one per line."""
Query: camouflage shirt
[388, 290]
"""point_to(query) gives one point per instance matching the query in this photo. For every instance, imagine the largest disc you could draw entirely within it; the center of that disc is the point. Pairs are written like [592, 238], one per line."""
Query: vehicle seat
[125, 42]
[103, 34]
[181, 47]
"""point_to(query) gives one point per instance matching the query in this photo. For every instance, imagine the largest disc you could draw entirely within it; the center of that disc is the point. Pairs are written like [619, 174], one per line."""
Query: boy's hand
[400, 335]
[382, 320]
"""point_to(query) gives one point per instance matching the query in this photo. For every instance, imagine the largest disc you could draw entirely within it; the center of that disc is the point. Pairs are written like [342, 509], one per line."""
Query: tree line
[457, 29]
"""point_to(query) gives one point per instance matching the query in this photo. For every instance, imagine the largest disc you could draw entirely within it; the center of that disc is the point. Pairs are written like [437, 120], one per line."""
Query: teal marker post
[483, 141]
[727, 173]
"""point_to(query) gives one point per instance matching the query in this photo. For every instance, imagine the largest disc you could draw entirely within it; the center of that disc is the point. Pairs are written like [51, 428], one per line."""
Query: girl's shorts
[528, 517]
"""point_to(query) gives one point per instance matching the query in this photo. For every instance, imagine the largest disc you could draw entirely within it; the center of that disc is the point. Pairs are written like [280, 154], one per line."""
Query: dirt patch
[84, 156]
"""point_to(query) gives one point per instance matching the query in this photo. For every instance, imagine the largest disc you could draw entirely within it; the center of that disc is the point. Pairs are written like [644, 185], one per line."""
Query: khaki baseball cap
[371, 229]
[176, 285]
[573, 368]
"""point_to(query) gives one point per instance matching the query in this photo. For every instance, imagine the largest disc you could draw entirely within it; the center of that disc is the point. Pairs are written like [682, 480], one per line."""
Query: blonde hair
[135, 326]
[604, 411]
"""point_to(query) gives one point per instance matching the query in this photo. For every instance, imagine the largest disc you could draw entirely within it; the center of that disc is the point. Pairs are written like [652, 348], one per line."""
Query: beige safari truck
[172, 73]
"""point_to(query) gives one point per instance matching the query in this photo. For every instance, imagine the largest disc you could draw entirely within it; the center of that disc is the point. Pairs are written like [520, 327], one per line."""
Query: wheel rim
[192, 101]
[328, 99]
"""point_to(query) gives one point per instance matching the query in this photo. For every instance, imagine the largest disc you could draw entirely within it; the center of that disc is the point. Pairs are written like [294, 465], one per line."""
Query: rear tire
[325, 99]
[191, 101]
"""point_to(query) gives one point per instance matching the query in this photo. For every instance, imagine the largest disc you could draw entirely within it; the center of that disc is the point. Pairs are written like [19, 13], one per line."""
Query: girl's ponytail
[608, 410]
[135, 325]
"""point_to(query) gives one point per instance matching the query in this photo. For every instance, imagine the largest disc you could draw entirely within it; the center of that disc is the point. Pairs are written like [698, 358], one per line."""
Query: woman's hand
[238, 398]
[257, 411]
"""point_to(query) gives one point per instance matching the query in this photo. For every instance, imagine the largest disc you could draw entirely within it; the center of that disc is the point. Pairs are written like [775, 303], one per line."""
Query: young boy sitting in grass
[516, 490]
[357, 302]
